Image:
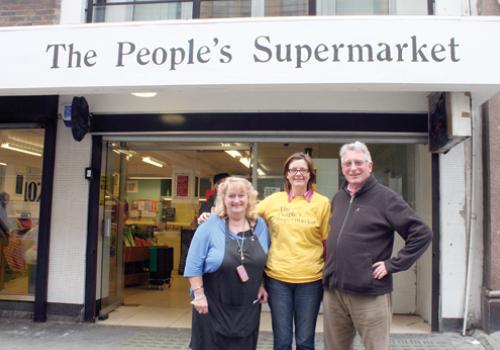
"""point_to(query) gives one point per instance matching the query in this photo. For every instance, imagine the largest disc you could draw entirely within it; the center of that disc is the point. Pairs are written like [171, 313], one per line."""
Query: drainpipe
[469, 226]
[469, 3]
[430, 7]
[469, 213]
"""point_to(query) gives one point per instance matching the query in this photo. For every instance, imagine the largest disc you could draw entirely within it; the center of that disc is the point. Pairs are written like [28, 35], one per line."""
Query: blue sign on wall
[67, 115]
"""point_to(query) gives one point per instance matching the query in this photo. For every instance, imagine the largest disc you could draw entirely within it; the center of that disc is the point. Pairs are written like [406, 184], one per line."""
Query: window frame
[92, 5]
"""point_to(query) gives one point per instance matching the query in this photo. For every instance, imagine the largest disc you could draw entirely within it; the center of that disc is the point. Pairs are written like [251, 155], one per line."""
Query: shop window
[116, 11]
[166, 187]
[362, 7]
[20, 186]
[371, 7]
[205, 185]
[154, 12]
[287, 7]
[225, 9]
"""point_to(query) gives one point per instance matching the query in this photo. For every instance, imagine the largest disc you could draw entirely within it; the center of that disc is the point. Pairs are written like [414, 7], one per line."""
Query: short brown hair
[310, 166]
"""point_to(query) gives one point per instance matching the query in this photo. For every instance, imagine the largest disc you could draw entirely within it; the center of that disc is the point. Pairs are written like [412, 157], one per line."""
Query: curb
[487, 341]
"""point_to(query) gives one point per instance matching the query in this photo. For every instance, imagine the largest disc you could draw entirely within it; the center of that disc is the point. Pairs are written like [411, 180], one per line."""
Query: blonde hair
[236, 182]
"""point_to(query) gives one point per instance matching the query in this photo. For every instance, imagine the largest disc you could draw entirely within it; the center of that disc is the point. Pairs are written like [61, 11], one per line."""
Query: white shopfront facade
[377, 65]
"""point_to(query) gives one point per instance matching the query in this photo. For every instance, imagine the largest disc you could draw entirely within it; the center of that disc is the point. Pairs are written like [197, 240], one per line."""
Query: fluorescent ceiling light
[234, 154]
[4, 164]
[264, 167]
[7, 145]
[144, 94]
[22, 141]
[128, 154]
[152, 161]
[245, 161]
[149, 178]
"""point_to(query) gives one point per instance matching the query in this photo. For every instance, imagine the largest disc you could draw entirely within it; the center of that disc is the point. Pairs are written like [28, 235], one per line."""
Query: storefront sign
[411, 53]
[128, 54]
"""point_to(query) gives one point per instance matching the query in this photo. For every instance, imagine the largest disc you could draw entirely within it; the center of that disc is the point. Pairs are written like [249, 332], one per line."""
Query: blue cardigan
[208, 245]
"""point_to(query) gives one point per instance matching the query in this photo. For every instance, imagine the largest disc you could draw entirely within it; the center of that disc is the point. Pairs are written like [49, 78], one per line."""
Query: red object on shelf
[25, 223]
[141, 242]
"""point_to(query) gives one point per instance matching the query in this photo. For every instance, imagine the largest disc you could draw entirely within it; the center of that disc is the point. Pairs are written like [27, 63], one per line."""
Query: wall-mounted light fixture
[9, 146]
[153, 161]
[3, 164]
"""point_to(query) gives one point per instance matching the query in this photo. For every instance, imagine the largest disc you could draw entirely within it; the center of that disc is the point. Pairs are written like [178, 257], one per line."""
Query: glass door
[114, 209]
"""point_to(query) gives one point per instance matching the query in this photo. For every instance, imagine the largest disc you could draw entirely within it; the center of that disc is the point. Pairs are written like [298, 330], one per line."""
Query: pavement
[21, 334]
[494, 339]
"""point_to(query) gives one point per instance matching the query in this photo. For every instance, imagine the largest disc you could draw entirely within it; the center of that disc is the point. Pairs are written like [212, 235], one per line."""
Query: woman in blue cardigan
[225, 267]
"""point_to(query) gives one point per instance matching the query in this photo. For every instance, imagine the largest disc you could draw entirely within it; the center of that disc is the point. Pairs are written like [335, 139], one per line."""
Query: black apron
[233, 315]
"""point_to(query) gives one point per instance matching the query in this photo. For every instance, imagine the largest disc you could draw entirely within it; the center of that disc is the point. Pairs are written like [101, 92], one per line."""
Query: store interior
[154, 209]
[21, 162]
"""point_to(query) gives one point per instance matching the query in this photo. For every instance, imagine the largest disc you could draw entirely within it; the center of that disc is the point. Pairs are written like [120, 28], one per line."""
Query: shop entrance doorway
[152, 193]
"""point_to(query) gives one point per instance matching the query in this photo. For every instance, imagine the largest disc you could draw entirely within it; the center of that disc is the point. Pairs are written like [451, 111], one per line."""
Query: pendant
[242, 273]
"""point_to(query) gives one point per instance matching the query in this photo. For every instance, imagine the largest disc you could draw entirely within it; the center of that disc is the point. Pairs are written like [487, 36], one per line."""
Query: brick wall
[491, 262]
[29, 12]
[489, 8]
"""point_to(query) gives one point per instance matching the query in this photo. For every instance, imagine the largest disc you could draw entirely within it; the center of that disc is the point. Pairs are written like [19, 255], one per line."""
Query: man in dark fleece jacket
[358, 271]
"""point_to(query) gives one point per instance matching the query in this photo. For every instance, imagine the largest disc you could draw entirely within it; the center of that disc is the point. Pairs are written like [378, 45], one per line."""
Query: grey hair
[355, 146]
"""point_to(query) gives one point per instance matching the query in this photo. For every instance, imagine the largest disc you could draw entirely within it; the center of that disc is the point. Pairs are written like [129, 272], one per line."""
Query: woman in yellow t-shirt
[298, 225]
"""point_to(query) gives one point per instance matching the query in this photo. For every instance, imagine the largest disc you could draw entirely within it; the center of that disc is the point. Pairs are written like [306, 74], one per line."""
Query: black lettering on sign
[32, 192]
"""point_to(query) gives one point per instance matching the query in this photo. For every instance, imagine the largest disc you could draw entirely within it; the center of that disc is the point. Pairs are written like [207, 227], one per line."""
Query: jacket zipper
[345, 219]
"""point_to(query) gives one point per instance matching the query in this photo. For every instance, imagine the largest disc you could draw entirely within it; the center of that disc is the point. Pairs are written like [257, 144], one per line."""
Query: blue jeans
[294, 303]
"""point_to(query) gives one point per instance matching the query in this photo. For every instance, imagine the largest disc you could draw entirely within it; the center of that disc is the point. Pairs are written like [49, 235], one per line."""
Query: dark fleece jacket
[362, 232]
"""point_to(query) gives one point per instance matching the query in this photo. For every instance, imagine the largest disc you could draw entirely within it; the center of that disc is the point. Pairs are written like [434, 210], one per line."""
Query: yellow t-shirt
[297, 229]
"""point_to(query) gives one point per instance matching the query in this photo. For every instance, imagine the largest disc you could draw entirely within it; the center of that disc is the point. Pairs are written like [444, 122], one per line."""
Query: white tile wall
[69, 219]
[453, 242]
